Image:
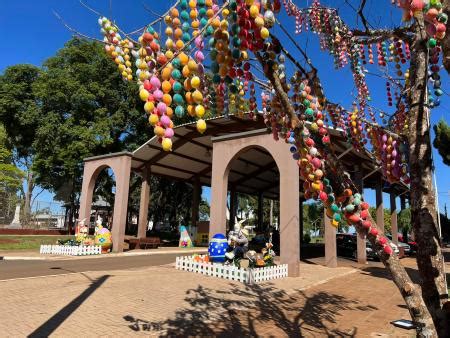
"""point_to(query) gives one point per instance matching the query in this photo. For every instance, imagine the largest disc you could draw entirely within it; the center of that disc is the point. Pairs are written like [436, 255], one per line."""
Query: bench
[144, 243]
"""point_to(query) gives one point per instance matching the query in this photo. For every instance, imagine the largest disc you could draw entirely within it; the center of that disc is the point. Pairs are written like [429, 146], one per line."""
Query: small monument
[15, 224]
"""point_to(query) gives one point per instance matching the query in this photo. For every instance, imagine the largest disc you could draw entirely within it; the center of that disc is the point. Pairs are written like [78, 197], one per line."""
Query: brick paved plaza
[163, 301]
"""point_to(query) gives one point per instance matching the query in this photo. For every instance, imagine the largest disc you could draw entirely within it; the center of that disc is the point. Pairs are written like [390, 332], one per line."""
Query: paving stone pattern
[160, 300]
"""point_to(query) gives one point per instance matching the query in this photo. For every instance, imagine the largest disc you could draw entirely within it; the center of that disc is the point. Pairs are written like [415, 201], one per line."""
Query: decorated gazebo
[234, 155]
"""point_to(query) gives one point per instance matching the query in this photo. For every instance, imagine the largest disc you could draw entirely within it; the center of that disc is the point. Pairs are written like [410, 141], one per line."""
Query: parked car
[406, 247]
[346, 245]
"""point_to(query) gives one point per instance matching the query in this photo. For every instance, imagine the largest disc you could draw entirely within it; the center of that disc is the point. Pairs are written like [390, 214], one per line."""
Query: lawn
[27, 242]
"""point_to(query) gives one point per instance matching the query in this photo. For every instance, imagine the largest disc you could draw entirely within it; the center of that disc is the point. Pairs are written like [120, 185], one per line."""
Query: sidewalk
[35, 255]
[163, 301]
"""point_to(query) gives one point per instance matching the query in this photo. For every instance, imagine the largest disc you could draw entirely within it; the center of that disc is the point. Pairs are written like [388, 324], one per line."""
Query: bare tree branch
[74, 31]
[361, 15]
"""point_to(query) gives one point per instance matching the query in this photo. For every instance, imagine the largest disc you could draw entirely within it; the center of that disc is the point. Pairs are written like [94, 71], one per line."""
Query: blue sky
[31, 33]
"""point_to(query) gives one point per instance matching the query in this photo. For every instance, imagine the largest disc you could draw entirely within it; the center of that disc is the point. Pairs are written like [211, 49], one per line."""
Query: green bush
[306, 238]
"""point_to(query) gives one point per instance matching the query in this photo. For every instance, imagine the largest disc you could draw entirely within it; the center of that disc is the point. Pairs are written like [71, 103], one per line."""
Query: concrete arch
[121, 167]
[225, 150]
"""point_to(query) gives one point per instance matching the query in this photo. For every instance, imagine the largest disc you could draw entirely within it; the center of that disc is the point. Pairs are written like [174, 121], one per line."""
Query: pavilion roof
[254, 171]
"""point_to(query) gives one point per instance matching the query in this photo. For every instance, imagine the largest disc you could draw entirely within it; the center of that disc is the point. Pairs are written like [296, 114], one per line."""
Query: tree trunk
[423, 209]
[28, 194]
[423, 313]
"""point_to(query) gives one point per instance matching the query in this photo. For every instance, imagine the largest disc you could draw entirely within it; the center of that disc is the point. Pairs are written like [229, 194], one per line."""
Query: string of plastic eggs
[308, 148]
[116, 47]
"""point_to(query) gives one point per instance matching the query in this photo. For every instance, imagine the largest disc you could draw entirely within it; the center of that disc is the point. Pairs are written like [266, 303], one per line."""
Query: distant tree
[204, 210]
[10, 177]
[442, 140]
[404, 222]
[20, 114]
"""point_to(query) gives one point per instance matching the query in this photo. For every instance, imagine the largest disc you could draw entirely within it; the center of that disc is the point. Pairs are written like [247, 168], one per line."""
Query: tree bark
[29, 192]
[423, 209]
[422, 313]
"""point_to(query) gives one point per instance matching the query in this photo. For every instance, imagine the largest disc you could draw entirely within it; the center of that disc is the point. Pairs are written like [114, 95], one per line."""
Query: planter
[248, 275]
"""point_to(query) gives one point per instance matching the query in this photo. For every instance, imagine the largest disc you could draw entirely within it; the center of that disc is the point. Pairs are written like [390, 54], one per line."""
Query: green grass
[27, 242]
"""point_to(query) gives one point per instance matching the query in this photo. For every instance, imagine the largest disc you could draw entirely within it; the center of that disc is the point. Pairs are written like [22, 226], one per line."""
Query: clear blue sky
[31, 33]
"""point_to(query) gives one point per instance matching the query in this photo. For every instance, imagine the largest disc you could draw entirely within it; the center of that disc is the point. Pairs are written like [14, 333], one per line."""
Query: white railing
[66, 250]
[232, 272]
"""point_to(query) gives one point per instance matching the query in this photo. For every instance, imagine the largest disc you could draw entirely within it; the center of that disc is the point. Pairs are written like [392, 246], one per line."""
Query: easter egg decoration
[217, 248]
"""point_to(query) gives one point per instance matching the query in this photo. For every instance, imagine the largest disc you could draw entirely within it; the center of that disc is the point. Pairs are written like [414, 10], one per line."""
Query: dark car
[346, 246]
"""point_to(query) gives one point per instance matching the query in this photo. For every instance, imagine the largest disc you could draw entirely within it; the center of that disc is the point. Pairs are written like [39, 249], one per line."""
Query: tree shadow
[382, 272]
[58, 318]
[253, 310]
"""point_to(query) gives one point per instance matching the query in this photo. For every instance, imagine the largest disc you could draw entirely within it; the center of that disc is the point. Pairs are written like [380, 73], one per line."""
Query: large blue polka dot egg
[218, 248]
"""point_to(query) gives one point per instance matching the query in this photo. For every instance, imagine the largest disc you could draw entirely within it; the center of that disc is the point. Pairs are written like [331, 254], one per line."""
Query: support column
[289, 214]
[87, 190]
[380, 207]
[143, 204]
[122, 172]
[394, 226]
[330, 242]
[196, 197]
[361, 253]
[219, 185]
[260, 211]
[233, 206]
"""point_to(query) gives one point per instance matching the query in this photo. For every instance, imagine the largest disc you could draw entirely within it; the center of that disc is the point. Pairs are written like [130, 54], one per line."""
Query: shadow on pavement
[58, 318]
[252, 311]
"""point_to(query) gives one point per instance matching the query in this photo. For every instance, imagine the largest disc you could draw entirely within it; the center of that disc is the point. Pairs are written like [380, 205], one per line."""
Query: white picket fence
[66, 250]
[231, 272]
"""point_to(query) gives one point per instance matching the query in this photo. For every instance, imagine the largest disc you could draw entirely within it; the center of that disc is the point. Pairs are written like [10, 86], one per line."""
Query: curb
[110, 255]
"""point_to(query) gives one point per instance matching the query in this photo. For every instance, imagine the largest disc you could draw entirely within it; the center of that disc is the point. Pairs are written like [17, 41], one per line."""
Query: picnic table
[144, 243]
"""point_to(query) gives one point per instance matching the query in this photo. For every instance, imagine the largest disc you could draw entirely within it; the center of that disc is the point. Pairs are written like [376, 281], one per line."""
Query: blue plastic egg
[218, 248]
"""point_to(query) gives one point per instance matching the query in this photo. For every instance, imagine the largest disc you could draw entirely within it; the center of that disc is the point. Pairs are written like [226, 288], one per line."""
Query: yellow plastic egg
[169, 54]
[195, 82]
[153, 119]
[259, 21]
[167, 144]
[192, 65]
[159, 131]
[197, 96]
[169, 31]
[149, 106]
[144, 94]
[199, 111]
[185, 71]
[179, 44]
[169, 43]
[201, 126]
[265, 33]
[254, 11]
